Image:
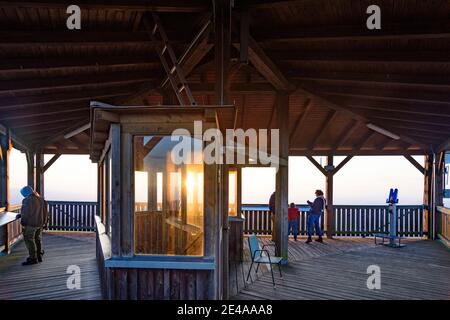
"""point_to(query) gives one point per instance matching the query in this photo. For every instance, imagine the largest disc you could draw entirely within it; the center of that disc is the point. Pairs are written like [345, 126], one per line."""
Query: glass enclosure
[168, 217]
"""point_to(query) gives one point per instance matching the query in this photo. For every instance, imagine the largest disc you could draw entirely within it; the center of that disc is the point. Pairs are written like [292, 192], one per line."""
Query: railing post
[329, 195]
[40, 173]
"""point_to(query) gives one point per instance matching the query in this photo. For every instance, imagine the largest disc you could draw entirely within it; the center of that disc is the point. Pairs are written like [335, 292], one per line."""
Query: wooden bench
[257, 257]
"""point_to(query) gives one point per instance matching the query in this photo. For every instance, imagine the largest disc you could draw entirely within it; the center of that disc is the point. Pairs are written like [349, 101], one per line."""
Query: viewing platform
[336, 269]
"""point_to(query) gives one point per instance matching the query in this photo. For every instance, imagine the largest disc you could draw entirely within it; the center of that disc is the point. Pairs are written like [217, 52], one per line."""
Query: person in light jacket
[34, 217]
[317, 209]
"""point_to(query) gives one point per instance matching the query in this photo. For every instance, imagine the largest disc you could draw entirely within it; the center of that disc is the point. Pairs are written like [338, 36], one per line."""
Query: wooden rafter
[301, 120]
[415, 163]
[68, 83]
[360, 144]
[130, 5]
[403, 31]
[317, 165]
[331, 117]
[347, 133]
[424, 81]
[50, 162]
[266, 66]
[342, 164]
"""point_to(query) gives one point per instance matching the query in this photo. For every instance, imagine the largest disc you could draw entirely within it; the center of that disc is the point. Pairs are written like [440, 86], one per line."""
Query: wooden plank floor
[48, 279]
[337, 270]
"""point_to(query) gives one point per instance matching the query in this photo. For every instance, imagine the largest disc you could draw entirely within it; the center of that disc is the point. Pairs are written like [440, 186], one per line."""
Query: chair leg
[257, 268]
[273, 279]
[279, 269]
[249, 270]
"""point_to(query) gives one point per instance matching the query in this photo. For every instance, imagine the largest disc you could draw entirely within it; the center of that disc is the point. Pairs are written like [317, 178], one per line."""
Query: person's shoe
[30, 261]
[39, 257]
[309, 240]
[295, 239]
[319, 240]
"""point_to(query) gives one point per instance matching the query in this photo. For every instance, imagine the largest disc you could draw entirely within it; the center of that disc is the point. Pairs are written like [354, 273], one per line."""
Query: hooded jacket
[34, 211]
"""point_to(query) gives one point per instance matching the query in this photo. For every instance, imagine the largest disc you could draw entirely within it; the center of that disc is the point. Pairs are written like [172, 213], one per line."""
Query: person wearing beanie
[33, 217]
[317, 208]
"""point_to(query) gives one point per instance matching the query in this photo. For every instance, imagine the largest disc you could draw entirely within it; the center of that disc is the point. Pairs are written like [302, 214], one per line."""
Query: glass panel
[232, 192]
[109, 225]
[168, 217]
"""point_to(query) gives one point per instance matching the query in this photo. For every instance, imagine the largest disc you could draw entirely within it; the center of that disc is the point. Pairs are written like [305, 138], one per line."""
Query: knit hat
[26, 191]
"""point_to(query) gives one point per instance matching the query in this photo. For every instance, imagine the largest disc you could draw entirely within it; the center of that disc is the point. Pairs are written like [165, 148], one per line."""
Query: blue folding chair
[258, 257]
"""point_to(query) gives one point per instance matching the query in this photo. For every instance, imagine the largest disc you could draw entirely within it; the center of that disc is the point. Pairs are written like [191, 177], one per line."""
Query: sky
[364, 180]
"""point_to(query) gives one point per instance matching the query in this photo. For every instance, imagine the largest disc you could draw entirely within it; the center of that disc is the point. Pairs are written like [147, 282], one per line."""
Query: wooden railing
[443, 223]
[366, 220]
[258, 219]
[349, 220]
[10, 228]
[72, 216]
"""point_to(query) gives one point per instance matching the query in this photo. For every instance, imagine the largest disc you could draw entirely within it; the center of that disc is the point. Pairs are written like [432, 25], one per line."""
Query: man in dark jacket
[272, 211]
[34, 217]
[317, 208]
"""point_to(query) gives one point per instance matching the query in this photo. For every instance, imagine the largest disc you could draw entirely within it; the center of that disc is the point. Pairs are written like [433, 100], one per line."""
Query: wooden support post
[224, 185]
[40, 174]
[329, 171]
[329, 195]
[5, 150]
[282, 183]
[222, 49]
[117, 194]
[428, 196]
[31, 173]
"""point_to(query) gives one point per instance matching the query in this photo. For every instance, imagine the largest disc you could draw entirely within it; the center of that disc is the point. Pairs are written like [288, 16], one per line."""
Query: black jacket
[318, 206]
[34, 212]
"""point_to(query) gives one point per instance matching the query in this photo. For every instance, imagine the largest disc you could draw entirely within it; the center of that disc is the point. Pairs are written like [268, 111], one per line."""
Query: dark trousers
[314, 220]
[293, 227]
[33, 241]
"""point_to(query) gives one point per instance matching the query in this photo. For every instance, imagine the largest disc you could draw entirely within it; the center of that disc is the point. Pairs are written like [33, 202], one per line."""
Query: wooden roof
[340, 75]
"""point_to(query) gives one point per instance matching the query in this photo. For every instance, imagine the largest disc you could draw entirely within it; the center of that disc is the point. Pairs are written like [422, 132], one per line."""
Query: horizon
[365, 180]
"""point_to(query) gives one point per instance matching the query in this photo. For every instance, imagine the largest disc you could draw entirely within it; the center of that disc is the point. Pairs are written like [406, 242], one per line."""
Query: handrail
[6, 217]
[443, 210]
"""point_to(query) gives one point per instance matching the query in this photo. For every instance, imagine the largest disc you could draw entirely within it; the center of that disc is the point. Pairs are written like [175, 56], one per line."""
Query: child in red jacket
[293, 217]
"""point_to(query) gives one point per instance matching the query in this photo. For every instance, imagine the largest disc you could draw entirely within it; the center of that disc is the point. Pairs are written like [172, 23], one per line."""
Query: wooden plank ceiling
[340, 75]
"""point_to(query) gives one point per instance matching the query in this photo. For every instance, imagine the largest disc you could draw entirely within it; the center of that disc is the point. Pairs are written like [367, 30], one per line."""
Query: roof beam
[317, 165]
[121, 5]
[50, 162]
[68, 83]
[441, 100]
[360, 144]
[342, 164]
[424, 81]
[415, 163]
[266, 66]
[400, 57]
[323, 128]
[399, 31]
[347, 133]
[353, 115]
[301, 120]
[42, 103]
